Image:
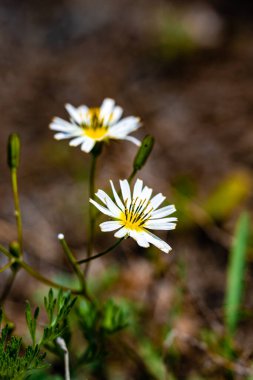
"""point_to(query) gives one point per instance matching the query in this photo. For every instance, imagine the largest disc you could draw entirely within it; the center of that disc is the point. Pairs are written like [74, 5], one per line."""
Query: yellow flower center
[95, 134]
[129, 221]
[135, 216]
[96, 130]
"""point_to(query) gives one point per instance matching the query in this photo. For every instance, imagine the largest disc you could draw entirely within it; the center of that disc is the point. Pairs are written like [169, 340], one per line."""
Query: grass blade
[235, 275]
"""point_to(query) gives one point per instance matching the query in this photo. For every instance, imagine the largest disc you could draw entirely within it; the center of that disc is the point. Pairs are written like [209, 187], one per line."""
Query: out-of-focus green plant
[236, 272]
[17, 361]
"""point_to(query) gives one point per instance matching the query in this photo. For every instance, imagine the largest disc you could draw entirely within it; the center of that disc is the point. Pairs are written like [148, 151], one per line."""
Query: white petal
[164, 211]
[61, 125]
[115, 115]
[116, 197]
[137, 188]
[162, 220]
[109, 203]
[121, 233]
[157, 242]
[77, 141]
[146, 193]
[61, 136]
[140, 238]
[83, 112]
[133, 140]
[102, 208]
[106, 110]
[126, 192]
[124, 127]
[88, 145]
[110, 226]
[157, 200]
[73, 113]
[164, 226]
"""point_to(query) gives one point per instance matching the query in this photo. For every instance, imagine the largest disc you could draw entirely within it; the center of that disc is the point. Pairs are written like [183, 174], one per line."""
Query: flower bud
[13, 151]
[143, 152]
[14, 249]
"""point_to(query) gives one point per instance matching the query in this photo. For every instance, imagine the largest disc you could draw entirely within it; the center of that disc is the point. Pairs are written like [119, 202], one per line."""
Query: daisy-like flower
[135, 214]
[90, 125]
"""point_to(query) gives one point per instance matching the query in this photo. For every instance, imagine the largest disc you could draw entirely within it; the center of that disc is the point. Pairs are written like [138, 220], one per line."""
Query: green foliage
[57, 310]
[236, 270]
[113, 318]
[31, 320]
[16, 362]
[97, 324]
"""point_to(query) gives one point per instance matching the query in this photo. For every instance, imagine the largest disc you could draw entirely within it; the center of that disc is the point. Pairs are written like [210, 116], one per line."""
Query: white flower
[136, 213]
[89, 125]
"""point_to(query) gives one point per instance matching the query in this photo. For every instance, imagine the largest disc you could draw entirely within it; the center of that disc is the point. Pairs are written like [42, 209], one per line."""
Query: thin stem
[101, 253]
[74, 264]
[8, 286]
[91, 213]
[130, 178]
[6, 266]
[45, 280]
[14, 183]
[5, 251]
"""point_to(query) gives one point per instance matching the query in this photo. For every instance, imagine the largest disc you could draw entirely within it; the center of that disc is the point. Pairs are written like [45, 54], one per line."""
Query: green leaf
[114, 318]
[235, 275]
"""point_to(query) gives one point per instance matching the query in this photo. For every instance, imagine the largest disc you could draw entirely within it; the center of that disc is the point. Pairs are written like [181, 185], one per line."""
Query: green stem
[14, 183]
[6, 266]
[101, 253]
[45, 280]
[5, 251]
[91, 213]
[130, 178]
[74, 264]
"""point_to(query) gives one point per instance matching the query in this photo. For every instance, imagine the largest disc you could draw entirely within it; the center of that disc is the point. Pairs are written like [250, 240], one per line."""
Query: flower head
[135, 214]
[90, 125]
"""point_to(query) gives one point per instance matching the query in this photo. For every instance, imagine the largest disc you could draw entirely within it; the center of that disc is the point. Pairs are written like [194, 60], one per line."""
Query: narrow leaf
[235, 275]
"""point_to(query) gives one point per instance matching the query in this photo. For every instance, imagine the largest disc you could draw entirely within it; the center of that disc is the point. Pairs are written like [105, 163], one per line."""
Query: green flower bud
[143, 152]
[13, 151]
[14, 249]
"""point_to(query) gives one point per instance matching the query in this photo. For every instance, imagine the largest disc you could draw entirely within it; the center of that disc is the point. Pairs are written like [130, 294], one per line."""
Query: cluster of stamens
[137, 213]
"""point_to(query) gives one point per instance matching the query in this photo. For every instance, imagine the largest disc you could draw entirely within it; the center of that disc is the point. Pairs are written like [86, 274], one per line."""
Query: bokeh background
[184, 67]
